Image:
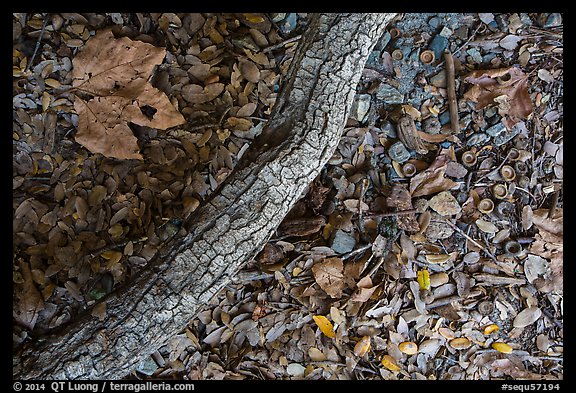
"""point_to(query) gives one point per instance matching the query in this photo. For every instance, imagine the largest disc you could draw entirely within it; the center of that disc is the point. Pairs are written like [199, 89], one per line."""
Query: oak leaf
[111, 81]
[328, 274]
[493, 86]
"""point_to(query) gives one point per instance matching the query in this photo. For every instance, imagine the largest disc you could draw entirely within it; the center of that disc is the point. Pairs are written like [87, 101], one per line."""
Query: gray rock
[147, 366]
[398, 152]
[389, 94]
[431, 125]
[444, 117]
[388, 129]
[505, 136]
[446, 32]
[360, 107]
[456, 170]
[477, 139]
[434, 22]
[438, 44]
[439, 80]
[475, 55]
[343, 242]
[496, 129]
[553, 20]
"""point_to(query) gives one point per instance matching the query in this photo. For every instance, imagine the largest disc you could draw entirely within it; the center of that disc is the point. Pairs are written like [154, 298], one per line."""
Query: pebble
[438, 229]
[438, 44]
[434, 22]
[388, 129]
[444, 117]
[389, 94]
[496, 129]
[553, 20]
[360, 107]
[439, 80]
[461, 32]
[446, 32]
[343, 242]
[289, 23]
[506, 136]
[475, 55]
[398, 152]
[456, 170]
[477, 139]
[147, 366]
[431, 125]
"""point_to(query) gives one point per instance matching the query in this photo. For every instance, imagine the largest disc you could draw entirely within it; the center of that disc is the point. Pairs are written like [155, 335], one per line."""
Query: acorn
[500, 191]
[513, 154]
[485, 206]
[508, 173]
[409, 169]
[469, 158]
[427, 57]
[397, 54]
[395, 33]
[512, 248]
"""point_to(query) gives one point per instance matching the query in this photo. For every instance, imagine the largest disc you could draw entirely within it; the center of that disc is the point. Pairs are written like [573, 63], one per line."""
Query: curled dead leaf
[325, 325]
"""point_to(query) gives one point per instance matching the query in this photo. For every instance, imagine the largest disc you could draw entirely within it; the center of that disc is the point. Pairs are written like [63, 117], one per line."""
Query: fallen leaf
[362, 347]
[325, 325]
[502, 347]
[408, 347]
[389, 362]
[99, 311]
[114, 90]
[527, 317]
[432, 180]
[445, 204]
[492, 328]
[490, 84]
[486, 226]
[328, 274]
[30, 300]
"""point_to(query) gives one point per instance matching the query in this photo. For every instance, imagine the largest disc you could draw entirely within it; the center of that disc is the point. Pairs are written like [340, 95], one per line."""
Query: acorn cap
[397, 54]
[395, 32]
[508, 173]
[513, 248]
[409, 169]
[486, 206]
[469, 158]
[427, 56]
[500, 191]
[513, 154]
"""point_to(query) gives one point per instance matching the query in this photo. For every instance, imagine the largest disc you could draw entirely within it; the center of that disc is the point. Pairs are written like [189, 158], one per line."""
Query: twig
[38, 43]
[391, 214]
[483, 248]
[451, 91]
[281, 44]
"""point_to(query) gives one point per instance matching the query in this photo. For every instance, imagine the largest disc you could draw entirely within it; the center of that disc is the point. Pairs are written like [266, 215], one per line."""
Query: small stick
[451, 91]
[38, 43]
[483, 248]
[281, 44]
[391, 214]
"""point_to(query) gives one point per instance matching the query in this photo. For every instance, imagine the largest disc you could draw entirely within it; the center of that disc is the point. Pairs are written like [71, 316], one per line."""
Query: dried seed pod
[513, 248]
[492, 328]
[508, 173]
[486, 307]
[395, 32]
[408, 134]
[427, 57]
[521, 168]
[500, 191]
[469, 158]
[513, 154]
[502, 347]
[397, 54]
[485, 206]
[409, 169]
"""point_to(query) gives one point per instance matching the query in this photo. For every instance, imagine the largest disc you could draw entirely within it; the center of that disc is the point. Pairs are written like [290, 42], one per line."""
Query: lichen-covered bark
[232, 227]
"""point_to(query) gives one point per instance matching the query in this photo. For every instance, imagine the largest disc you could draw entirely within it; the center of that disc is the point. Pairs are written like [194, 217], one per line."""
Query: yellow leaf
[408, 347]
[112, 256]
[45, 101]
[254, 18]
[502, 347]
[325, 325]
[116, 230]
[362, 347]
[389, 362]
[424, 279]
[490, 329]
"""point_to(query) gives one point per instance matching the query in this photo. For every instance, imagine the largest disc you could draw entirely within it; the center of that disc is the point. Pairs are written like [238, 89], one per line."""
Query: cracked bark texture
[234, 224]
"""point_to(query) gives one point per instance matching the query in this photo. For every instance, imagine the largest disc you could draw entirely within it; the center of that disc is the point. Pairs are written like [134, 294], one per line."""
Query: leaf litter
[373, 275]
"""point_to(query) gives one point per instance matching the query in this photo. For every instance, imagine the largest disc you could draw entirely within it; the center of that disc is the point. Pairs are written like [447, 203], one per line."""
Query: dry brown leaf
[554, 225]
[491, 84]
[328, 274]
[432, 180]
[249, 70]
[115, 90]
[30, 301]
[527, 317]
[400, 199]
